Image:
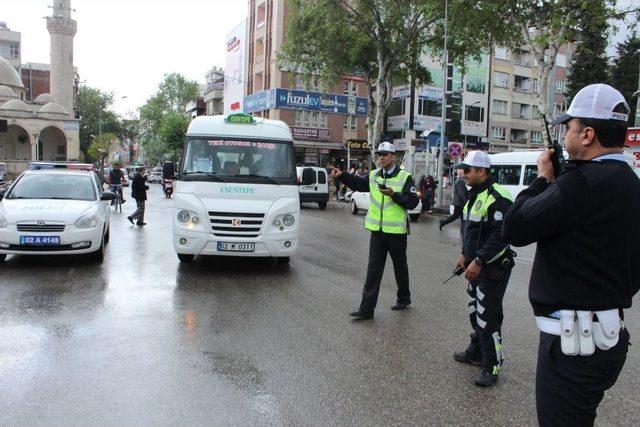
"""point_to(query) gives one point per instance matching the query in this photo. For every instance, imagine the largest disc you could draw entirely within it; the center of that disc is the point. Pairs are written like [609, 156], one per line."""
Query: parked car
[155, 176]
[360, 202]
[318, 190]
[55, 212]
[3, 171]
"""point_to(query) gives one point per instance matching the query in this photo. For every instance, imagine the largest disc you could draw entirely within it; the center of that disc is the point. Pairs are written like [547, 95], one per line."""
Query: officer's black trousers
[570, 388]
[379, 245]
[485, 314]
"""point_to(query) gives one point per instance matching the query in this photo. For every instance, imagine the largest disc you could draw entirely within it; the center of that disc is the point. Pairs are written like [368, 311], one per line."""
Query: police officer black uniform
[392, 193]
[487, 261]
[586, 269]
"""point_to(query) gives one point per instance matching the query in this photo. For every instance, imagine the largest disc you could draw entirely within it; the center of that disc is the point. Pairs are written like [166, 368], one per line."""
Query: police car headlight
[184, 217]
[87, 221]
[3, 221]
[288, 220]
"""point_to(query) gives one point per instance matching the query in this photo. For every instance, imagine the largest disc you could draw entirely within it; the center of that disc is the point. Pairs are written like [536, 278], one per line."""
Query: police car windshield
[54, 186]
[239, 160]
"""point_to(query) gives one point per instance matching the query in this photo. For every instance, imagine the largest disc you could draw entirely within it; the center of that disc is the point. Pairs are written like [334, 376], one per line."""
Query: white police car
[54, 212]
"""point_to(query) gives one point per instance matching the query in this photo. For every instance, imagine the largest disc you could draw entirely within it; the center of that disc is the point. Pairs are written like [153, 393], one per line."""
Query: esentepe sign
[633, 137]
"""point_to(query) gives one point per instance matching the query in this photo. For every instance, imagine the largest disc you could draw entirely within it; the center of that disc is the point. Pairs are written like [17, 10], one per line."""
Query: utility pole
[443, 129]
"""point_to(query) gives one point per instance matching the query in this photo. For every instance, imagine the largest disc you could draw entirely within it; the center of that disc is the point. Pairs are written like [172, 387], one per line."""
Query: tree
[624, 72]
[589, 65]
[95, 117]
[158, 115]
[172, 129]
[381, 40]
[99, 146]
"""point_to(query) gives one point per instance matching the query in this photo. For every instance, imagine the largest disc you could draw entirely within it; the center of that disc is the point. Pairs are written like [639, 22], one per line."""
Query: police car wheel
[414, 217]
[354, 207]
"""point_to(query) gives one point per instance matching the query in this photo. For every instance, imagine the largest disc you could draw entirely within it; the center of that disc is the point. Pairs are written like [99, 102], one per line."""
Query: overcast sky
[126, 46]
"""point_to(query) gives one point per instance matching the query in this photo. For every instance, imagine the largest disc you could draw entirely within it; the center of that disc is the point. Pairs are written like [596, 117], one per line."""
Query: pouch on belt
[606, 331]
[585, 324]
[569, 339]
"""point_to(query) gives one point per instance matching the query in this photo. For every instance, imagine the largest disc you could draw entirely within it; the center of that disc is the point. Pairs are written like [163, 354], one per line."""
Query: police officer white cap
[476, 159]
[386, 147]
[596, 101]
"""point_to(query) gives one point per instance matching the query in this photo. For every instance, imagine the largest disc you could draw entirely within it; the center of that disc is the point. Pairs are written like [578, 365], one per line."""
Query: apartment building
[514, 119]
[10, 46]
[323, 120]
[214, 92]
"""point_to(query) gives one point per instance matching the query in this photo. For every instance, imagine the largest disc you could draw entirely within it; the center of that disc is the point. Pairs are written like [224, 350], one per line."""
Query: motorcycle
[167, 187]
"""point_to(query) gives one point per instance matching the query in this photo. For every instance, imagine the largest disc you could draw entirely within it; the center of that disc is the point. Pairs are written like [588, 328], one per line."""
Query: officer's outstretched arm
[543, 210]
[354, 182]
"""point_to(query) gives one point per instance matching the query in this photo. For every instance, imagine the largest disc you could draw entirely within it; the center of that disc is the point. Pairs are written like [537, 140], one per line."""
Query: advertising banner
[234, 69]
[292, 99]
[357, 144]
[311, 134]
[633, 137]
[260, 101]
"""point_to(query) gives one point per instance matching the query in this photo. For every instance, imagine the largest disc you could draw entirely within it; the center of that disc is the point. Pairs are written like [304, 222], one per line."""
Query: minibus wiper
[253, 175]
[208, 174]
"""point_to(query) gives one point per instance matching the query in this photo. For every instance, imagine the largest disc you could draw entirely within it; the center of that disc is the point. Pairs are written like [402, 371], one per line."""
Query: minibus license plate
[236, 247]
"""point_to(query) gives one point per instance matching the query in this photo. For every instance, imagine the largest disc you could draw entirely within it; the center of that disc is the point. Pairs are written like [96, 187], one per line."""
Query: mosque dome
[8, 75]
[15, 105]
[7, 92]
[43, 98]
[53, 108]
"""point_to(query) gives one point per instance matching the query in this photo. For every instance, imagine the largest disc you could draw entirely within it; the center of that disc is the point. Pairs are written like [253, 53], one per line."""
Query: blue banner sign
[291, 99]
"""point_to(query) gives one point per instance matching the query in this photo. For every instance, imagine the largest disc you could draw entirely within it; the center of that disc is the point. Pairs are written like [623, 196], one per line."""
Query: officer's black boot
[472, 355]
[485, 378]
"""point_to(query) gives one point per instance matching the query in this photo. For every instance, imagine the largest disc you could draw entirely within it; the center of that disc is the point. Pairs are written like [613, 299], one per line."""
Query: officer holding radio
[586, 270]
[392, 194]
[486, 261]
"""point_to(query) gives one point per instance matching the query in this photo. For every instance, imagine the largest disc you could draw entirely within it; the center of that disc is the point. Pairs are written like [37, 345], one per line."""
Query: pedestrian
[139, 193]
[585, 271]
[392, 194]
[487, 261]
[425, 196]
[433, 185]
[460, 197]
[337, 184]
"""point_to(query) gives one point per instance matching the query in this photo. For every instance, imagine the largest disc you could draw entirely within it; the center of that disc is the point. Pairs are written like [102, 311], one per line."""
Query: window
[535, 114]
[522, 58]
[521, 83]
[350, 88]
[521, 111]
[506, 174]
[499, 133]
[349, 123]
[474, 114]
[530, 173]
[397, 107]
[535, 85]
[560, 86]
[501, 53]
[500, 79]
[14, 50]
[313, 85]
[322, 177]
[312, 119]
[536, 137]
[428, 107]
[475, 85]
[561, 60]
[500, 106]
[519, 136]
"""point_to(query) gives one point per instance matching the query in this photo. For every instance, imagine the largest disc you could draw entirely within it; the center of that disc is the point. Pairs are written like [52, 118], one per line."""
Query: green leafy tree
[99, 147]
[172, 129]
[381, 40]
[589, 65]
[624, 72]
[173, 94]
[95, 117]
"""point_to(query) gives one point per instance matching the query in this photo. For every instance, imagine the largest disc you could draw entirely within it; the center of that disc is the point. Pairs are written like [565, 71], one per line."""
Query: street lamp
[445, 55]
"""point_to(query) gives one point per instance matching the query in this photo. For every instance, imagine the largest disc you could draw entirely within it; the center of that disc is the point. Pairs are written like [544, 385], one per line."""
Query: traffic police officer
[586, 269]
[487, 262]
[392, 194]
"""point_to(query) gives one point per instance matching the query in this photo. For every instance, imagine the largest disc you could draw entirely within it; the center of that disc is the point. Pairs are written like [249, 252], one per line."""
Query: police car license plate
[40, 240]
[236, 247]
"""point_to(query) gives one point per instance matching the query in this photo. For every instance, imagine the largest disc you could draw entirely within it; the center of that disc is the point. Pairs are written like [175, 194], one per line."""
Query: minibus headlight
[184, 217]
[288, 220]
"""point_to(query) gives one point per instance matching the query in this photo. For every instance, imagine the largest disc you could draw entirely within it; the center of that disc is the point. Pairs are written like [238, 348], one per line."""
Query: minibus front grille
[236, 224]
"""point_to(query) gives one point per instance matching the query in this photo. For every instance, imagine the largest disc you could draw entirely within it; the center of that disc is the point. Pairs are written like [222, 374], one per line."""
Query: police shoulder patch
[412, 190]
[478, 205]
[497, 216]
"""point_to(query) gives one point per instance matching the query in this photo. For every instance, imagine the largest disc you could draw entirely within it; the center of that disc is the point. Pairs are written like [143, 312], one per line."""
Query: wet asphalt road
[143, 340]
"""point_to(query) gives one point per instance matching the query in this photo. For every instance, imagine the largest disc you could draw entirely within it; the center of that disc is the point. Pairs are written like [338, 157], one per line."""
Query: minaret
[62, 29]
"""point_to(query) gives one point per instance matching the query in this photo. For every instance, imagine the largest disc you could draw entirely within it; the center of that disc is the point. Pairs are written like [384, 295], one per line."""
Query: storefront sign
[260, 101]
[290, 99]
[397, 123]
[354, 78]
[311, 134]
[633, 137]
[357, 144]
[473, 128]
[401, 92]
[430, 92]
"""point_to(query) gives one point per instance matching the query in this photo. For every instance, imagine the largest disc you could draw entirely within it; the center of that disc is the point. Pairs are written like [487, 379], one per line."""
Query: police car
[54, 212]
[360, 202]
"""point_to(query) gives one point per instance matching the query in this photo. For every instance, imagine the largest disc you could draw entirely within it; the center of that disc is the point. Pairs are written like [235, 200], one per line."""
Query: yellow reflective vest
[384, 214]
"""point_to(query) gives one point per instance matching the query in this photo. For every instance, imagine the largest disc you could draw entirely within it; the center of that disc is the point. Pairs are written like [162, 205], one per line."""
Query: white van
[318, 190]
[237, 192]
